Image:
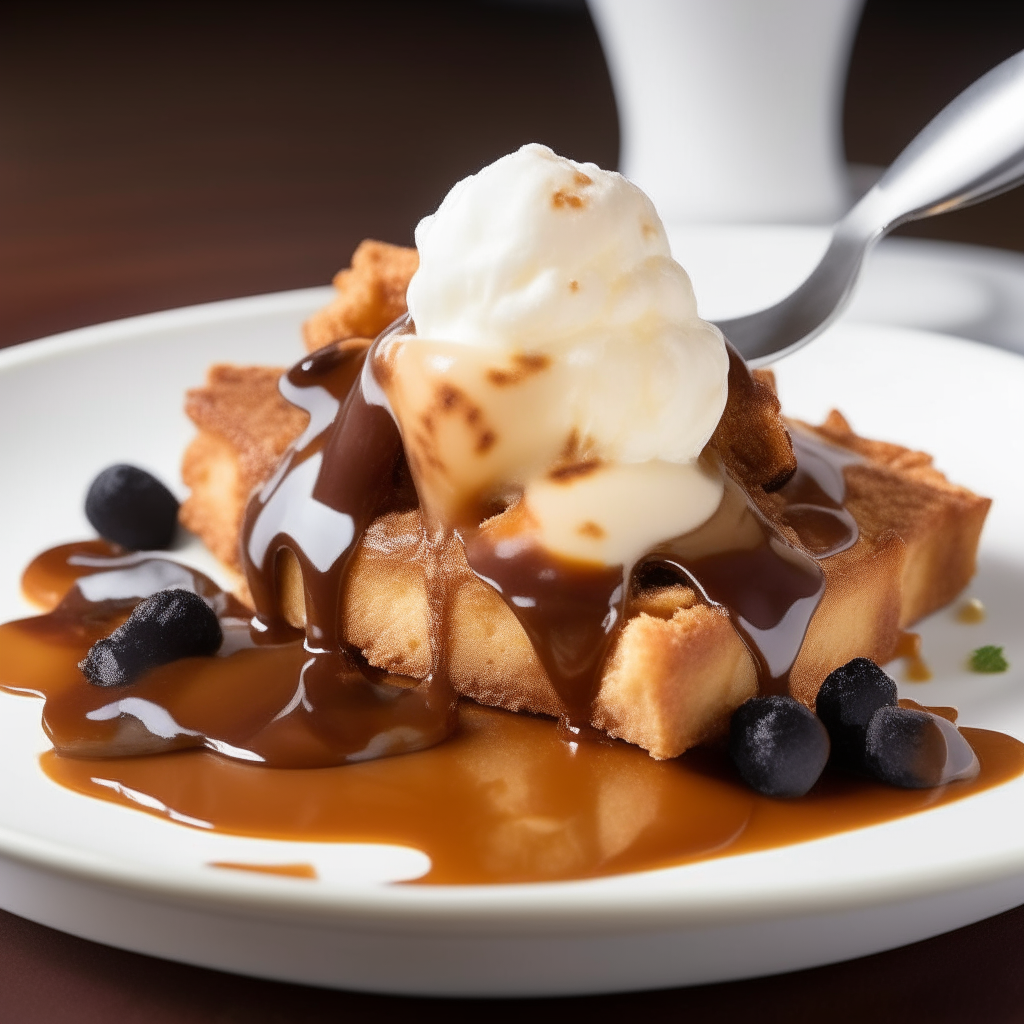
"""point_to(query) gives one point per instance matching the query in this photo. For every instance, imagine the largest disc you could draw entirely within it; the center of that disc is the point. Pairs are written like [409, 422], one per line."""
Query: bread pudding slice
[678, 668]
[370, 295]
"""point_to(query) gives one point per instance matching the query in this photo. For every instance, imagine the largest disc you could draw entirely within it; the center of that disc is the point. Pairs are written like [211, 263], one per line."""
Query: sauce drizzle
[505, 799]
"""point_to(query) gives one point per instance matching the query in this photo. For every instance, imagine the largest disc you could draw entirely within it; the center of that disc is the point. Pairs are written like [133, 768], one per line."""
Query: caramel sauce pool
[916, 668]
[504, 800]
[287, 870]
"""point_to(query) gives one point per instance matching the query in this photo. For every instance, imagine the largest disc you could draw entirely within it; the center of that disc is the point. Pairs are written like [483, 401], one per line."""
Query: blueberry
[132, 508]
[171, 624]
[916, 749]
[846, 701]
[777, 745]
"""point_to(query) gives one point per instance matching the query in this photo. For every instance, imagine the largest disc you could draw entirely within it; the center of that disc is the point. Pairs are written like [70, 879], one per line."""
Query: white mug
[730, 111]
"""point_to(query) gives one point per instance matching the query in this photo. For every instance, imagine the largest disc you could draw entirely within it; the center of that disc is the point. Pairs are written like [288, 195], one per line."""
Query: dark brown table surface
[151, 159]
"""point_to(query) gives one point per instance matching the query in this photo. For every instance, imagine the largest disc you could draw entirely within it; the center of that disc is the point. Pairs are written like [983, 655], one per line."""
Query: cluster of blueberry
[130, 507]
[780, 747]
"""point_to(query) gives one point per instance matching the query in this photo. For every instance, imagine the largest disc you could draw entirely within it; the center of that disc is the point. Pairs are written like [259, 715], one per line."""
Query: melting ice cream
[555, 353]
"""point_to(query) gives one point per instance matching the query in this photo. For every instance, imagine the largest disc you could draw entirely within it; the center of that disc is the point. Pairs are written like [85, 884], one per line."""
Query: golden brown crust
[244, 428]
[859, 614]
[751, 436]
[672, 684]
[371, 295]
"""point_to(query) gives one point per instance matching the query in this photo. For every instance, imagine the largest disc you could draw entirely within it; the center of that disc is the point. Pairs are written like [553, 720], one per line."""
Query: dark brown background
[182, 155]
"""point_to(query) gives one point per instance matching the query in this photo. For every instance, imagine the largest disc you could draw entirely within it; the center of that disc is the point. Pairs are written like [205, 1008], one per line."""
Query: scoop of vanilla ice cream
[551, 326]
[539, 254]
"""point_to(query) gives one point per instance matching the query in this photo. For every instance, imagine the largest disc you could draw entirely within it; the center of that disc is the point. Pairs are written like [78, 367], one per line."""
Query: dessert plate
[75, 403]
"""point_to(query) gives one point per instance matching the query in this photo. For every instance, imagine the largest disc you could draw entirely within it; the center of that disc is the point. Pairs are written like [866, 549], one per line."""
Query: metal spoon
[971, 150]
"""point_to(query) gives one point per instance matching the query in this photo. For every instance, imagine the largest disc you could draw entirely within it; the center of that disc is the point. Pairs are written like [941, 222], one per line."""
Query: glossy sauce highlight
[505, 799]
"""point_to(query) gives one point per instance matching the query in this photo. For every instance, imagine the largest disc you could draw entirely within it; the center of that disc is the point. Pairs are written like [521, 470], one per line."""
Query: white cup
[731, 110]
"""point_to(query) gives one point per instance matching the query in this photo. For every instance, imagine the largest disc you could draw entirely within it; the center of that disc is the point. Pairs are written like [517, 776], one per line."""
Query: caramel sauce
[285, 733]
[814, 497]
[949, 714]
[570, 611]
[506, 800]
[908, 647]
[350, 466]
[346, 469]
[50, 576]
[769, 589]
[769, 586]
[287, 870]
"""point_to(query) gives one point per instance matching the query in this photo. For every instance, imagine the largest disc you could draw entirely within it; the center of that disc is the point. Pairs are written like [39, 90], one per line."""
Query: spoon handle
[971, 150]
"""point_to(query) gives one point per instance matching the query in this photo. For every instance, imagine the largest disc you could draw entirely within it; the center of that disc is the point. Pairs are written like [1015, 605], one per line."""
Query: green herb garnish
[989, 659]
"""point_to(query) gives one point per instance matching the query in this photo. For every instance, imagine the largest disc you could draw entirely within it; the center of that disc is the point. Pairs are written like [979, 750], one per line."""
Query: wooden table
[153, 160]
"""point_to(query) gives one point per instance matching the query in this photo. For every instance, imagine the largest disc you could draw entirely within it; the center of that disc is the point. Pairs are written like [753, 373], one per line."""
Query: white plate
[73, 404]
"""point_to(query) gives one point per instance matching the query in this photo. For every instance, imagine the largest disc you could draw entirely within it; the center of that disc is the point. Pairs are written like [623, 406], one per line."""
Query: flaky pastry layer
[370, 295]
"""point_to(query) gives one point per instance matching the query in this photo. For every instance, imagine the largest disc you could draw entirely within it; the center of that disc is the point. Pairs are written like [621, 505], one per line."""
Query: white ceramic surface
[70, 405]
